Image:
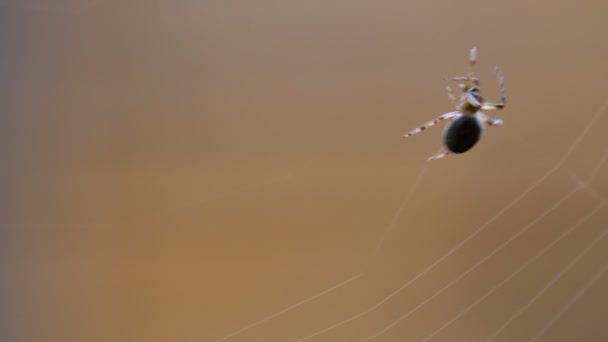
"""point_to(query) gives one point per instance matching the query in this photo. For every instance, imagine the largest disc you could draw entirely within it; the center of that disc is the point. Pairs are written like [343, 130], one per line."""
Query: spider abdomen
[462, 133]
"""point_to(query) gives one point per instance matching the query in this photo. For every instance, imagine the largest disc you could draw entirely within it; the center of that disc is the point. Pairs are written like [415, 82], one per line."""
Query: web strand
[535, 257]
[289, 308]
[554, 280]
[389, 227]
[570, 302]
[437, 262]
[477, 264]
[598, 167]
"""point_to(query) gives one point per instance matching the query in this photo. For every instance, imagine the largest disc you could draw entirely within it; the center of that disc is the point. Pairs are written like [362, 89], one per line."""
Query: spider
[467, 125]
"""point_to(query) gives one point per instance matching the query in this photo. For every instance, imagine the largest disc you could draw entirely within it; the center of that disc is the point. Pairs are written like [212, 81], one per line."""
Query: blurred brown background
[178, 170]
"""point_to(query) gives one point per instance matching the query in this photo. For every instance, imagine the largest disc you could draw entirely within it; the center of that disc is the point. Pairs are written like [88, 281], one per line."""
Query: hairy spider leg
[503, 93]
[432, 123]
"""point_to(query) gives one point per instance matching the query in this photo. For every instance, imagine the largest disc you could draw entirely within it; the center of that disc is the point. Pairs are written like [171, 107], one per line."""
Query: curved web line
[535, 257]
[289, 308]
[387, 230]
[393, 221]
[568, 304]
[554, 280]
[598, 167]
[517, 199]
[480, 262]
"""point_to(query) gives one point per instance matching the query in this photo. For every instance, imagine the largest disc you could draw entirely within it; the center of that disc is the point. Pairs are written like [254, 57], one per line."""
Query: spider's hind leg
[439, 155]
[490, 121]
[431, 123]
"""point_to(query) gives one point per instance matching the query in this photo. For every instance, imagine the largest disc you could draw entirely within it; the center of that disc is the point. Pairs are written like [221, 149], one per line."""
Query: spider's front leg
[432, 123]
[492, 106]
[472, 60]
[503, 93]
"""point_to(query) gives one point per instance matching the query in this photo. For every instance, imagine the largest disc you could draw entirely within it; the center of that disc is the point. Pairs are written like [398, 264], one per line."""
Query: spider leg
[494, 122]
[472, 61]
[432, 123]
[503, 93]
[451, 95]
[490, 121]
[462, 79]
[501, 83]
[470, 79]
[439, 155]
[492, 106]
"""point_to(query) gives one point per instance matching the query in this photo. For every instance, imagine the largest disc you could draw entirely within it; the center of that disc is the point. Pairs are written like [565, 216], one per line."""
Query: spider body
[468, 120]
[462, 133]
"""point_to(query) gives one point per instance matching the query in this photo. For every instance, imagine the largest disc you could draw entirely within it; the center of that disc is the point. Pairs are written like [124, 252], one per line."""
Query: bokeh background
[179, 170]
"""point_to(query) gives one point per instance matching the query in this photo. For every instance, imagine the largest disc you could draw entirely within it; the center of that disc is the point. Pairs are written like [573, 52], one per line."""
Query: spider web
[551, 243]
[487, 261]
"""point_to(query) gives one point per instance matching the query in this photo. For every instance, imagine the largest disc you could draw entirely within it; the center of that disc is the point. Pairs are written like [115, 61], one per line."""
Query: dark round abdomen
[462, 133]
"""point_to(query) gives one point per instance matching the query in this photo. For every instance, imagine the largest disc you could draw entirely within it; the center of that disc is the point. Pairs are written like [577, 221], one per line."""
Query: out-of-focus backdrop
[192, 170]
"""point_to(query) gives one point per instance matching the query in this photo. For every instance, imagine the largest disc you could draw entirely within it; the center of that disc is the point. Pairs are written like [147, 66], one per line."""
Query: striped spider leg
[503, 93]
[432, 123]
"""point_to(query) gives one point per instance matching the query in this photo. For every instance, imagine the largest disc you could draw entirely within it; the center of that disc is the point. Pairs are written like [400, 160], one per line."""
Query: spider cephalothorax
[467, 125]
[471, 101]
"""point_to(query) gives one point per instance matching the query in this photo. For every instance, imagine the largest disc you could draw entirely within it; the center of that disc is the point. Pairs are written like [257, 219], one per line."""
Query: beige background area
[192, 170]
